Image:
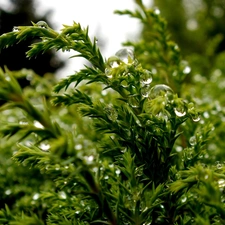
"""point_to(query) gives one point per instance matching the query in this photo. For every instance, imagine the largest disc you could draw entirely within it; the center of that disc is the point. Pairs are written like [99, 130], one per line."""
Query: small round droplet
[126, 55]
[145, 91]
[195, 117]
[146, 78]
[192, 140]
[8, 192]
[15, 29]
[113, 62]
[62, 194]
[44, 146]
[221, 183]
[219, 166]
[36, 196]
[159, 89]
[118, 171]
[184, 199]
[42, 24]
[187, 70]
[180, 112]
[124, 84]
[37, 124]
[157, 11]
[23, 122]
[108, 73]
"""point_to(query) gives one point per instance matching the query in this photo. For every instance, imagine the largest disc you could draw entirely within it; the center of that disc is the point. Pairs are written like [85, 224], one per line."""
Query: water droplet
[193, 140]
[78, 147]
[146, 78]
[118, 171]
[15, 29]
[57, 167]
[179, 149]
[160, 89]
[126, 55]
[106, 177]
[36, 196]
[133, 102]
[29, 77]
[195, 117]
[206, 177]
[219, 166]
[206, 115]
[124, 83]
[44, 146]
[111, 112]
[104, 92]
[89, 159]
[108, 73]
[77, 212]
[187, 70]
[62, 194]
[184, 199]
[8, 192]
[113, 62]
[42, 24]
[38, 124]
[157, 11]
[8, 78]
[180, 112]
[221, 183]
[23, 122]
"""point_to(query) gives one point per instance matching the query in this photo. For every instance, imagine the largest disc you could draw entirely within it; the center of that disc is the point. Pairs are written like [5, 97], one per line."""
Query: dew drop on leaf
[8, 192]
[180, 112]
[36, 196]
[42, 24]
[192, 140]
[145, 91]
[126, 55]
[221, 183]
[195, 117]
[146, 78]
[159, 89]
[108, 73]
[187, 70]
[38, 124]
[44, 147]
[124, 83]
[15, 29]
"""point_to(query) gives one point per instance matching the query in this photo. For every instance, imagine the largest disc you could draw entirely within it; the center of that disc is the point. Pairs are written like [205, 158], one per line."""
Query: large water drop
[159, 89]
[42, 24]
[126, 55]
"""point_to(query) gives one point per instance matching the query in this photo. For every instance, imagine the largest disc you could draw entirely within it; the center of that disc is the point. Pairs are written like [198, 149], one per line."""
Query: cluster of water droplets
[123, 56]
[145, 80]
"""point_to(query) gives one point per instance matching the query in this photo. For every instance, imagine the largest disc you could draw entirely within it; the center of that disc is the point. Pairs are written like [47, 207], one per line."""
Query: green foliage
[118, 142]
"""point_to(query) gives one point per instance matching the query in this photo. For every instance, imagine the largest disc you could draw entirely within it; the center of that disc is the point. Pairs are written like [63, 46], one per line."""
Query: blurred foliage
[133, 139]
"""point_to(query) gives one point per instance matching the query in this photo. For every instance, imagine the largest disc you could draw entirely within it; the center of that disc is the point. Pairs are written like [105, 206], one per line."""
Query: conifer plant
[117, 142]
